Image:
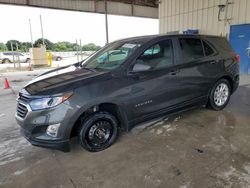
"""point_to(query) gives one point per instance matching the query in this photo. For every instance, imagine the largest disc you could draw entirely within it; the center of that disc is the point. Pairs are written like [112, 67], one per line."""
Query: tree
[63, 46]
[75, 47]
[25, 46]
[14, 44]
[90, 47]
[3, 47]
[49, 44]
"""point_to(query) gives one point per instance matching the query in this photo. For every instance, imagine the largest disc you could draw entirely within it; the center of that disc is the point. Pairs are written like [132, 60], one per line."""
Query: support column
[106, 22]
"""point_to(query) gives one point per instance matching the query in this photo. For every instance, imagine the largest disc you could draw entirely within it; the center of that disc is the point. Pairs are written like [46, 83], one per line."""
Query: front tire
[98, 131]
[220, 95]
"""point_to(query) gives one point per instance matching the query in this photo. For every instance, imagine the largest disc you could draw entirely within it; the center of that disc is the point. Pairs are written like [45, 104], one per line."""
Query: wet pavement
[196, 149]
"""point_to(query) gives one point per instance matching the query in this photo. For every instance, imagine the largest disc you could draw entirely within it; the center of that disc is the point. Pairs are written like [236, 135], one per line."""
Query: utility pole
[31, 36]
[32, 45]
[18, 57]
[106, 21]
[81, 49]
[13, 56]
[42, 28]
[77, 50]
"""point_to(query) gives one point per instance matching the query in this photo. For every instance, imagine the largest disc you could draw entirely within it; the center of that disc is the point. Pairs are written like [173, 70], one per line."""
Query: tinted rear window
[221, 43]
[191, 48]
[208, 50]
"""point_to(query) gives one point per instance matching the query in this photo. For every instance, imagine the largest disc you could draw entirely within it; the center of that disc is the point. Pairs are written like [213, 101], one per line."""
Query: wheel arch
[229, 79]
[110, 107]
[6, 59]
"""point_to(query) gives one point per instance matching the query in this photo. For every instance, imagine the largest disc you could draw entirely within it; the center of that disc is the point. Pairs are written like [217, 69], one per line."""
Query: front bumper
[62, 145]
[35, 123]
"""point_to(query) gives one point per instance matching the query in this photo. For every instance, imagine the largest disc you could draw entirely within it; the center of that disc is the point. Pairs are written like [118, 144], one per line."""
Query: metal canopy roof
[138, 8]
[150, 3]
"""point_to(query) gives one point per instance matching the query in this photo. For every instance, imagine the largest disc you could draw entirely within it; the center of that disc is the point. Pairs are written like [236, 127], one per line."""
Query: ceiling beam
[137, 8]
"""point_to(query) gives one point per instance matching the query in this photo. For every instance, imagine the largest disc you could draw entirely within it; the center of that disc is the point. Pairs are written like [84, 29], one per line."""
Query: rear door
[198, 67]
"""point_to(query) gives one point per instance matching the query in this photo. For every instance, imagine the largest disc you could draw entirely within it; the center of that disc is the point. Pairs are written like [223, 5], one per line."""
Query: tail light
[237, 58]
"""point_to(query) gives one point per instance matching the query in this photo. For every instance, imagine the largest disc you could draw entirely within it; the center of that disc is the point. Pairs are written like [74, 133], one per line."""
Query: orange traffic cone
[6, 84]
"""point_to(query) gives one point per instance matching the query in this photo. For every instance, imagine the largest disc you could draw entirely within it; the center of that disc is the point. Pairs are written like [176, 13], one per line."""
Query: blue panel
[240, 41]
[191, 31]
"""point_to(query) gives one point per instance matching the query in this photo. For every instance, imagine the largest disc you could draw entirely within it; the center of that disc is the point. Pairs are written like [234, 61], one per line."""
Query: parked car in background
[10, 57]
[126, 82]
[56, 58]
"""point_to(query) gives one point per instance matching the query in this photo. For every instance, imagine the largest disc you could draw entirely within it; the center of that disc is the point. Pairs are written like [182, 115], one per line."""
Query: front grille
[21, 110]
[24, 98]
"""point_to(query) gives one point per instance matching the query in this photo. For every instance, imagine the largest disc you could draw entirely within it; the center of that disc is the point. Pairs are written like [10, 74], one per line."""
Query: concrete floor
[197, 149]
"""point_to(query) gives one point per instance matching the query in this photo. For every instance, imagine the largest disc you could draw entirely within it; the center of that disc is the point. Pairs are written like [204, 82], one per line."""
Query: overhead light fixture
[222, 7]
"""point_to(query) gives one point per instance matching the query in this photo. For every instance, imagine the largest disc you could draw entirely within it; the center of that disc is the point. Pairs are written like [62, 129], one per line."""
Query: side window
[208, 50]
[158, 56]
[191, 49]
[153, 50]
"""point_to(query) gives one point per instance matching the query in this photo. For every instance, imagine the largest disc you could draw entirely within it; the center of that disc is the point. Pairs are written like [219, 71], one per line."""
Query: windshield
[112, 56]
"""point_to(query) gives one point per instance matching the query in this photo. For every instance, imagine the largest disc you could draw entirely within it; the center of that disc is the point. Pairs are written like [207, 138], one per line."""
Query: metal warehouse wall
[179, 15]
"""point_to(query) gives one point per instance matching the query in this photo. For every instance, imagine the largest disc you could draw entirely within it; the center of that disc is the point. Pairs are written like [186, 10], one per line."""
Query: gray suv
[126, 82]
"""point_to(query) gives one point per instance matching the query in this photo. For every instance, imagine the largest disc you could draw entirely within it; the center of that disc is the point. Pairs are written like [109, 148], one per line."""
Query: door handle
[134, 75]
[174, 72]
[214, 61]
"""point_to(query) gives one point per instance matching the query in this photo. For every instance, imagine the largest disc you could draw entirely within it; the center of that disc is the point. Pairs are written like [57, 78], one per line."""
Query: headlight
[49, 102]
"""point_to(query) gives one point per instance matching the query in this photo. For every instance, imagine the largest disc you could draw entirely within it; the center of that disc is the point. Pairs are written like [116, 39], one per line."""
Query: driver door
[154, 81]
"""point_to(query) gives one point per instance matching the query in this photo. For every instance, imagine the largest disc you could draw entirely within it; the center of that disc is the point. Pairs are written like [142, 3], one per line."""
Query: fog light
[52, 130]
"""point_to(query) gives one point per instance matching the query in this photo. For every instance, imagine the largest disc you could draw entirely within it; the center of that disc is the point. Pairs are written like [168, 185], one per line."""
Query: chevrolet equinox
[126, 82]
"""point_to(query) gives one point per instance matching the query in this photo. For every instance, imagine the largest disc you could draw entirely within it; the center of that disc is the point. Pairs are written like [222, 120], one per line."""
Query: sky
[60, 25]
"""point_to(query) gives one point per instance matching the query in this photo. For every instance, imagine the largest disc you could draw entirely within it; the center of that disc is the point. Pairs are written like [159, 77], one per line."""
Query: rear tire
[6, 61]
[219, 95]
[98, 131]
[58, 58]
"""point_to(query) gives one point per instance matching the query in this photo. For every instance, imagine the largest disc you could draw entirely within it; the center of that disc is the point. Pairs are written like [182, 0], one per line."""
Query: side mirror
[140, 68]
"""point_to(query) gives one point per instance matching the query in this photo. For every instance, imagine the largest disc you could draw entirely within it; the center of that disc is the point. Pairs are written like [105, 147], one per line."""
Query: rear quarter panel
[227, 56]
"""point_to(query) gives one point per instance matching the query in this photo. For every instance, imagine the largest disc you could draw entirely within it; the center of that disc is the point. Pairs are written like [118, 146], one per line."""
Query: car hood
[62, 80]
